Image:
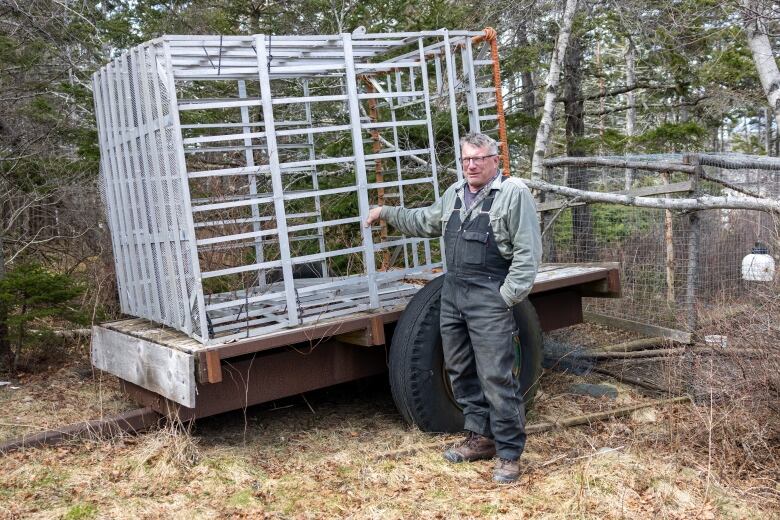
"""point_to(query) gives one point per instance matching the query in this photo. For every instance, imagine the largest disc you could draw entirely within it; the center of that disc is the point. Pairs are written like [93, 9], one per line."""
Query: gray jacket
[512, 217]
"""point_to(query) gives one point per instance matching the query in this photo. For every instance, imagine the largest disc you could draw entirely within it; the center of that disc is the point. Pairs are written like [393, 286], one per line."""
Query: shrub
[31, 294]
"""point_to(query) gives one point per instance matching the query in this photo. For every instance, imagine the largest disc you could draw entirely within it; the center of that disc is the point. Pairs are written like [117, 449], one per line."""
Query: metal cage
[237, 170]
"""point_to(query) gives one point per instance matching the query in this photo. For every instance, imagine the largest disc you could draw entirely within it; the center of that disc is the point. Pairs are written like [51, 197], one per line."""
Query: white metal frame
[202, 193]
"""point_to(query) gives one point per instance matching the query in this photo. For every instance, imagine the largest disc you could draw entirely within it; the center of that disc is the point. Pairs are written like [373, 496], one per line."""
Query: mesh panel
[652, 245]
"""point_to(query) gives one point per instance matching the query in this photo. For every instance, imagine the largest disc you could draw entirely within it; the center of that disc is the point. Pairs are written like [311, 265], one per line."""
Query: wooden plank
[372, 335]
[360, 338]
[378, 330]
[567, 277]
[213, 367]
[642, 328]
[592, 279]
[161, 369]
[644, 191]
[608, 287]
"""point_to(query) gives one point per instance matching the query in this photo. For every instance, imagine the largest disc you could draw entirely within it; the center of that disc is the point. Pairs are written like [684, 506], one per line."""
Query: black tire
[420, 387]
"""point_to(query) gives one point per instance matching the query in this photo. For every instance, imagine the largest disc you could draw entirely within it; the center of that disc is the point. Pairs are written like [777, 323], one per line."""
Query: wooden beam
[642, 328]
[133, 421]
[161, 369]
[372, 335]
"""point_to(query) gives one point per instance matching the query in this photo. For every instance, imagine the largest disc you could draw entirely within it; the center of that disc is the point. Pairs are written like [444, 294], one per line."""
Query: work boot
[506, 471]
[473, 447]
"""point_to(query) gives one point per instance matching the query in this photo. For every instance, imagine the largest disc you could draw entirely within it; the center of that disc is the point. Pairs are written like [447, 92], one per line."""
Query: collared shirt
[513, 219]
[469, 197]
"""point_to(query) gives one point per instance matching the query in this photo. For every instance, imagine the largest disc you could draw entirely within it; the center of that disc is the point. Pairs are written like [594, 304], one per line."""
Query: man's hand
[373, 215]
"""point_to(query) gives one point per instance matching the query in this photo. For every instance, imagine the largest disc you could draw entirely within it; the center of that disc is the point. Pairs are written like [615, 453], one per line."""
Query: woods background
[636, 77]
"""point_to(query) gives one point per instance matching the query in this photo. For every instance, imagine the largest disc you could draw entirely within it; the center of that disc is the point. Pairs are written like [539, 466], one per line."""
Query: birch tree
[553, 79]
[761, 48]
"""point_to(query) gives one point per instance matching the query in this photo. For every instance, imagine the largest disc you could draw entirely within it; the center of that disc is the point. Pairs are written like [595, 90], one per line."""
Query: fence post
[694, 239]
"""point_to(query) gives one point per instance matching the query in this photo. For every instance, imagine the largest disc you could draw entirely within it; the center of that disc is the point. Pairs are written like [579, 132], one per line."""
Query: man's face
[479, 165]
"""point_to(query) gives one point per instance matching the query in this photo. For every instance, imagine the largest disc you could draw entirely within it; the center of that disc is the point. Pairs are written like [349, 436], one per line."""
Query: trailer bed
[167, 370]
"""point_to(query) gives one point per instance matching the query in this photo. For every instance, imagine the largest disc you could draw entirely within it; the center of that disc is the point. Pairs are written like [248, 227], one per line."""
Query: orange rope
[490, 36]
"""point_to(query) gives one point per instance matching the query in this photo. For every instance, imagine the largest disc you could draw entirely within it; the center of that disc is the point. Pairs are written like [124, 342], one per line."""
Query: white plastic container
[758, 266]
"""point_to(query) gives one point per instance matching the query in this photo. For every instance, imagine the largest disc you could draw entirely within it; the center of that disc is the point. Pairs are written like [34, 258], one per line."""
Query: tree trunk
[5, 344]
[767, 133]
[574, 105]
[631, 102]
[17, 353]
[553, 78]
[669, 242]
[763, 56]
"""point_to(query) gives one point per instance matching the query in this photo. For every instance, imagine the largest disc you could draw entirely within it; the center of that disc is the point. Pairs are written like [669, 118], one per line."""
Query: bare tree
[753, 12]
[630, 102]
[553, 79]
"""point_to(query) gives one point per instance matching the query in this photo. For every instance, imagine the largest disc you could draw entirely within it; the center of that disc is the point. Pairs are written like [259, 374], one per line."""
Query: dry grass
[57, 396]
[717, 459]
[287, 462]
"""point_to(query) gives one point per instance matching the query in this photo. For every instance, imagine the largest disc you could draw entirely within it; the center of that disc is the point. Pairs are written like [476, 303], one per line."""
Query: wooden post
[694, 239]
[669, 240]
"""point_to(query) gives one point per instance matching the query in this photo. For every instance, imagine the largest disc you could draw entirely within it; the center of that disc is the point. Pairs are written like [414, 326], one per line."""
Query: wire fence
[661, 286]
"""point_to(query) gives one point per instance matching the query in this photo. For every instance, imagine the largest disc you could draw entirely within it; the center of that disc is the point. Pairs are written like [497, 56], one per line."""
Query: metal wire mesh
[653, 245]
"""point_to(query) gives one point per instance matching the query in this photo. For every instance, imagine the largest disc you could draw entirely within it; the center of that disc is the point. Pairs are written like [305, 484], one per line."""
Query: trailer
[174, 375]
[237, 172]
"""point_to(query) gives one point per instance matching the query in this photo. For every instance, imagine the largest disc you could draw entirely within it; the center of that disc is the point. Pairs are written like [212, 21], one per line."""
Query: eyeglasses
[479, 161]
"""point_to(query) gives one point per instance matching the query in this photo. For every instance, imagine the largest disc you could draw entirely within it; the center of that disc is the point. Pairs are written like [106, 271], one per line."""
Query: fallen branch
[729, 185]
[637, 344]
[740, 163]
[575, 420]
[663, 352]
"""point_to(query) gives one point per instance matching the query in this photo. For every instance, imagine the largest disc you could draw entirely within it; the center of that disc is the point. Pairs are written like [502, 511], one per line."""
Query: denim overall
[477, 331]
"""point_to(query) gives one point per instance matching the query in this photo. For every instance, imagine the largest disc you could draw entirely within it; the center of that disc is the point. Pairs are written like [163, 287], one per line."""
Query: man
[492, 247]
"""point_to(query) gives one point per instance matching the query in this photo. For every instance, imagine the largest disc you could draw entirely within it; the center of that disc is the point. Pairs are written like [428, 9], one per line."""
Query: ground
[333, 454]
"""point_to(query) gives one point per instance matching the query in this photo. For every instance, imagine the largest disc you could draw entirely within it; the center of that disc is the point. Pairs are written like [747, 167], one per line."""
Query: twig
[630, 380]
[566, 204]
[597, 453]
[307, 404]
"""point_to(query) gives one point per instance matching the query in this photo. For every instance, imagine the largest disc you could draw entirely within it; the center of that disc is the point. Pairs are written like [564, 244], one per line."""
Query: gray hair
[480, 141]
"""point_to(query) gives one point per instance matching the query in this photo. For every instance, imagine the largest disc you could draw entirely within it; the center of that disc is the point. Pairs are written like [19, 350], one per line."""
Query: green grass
[243, 498]
[80, 511]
